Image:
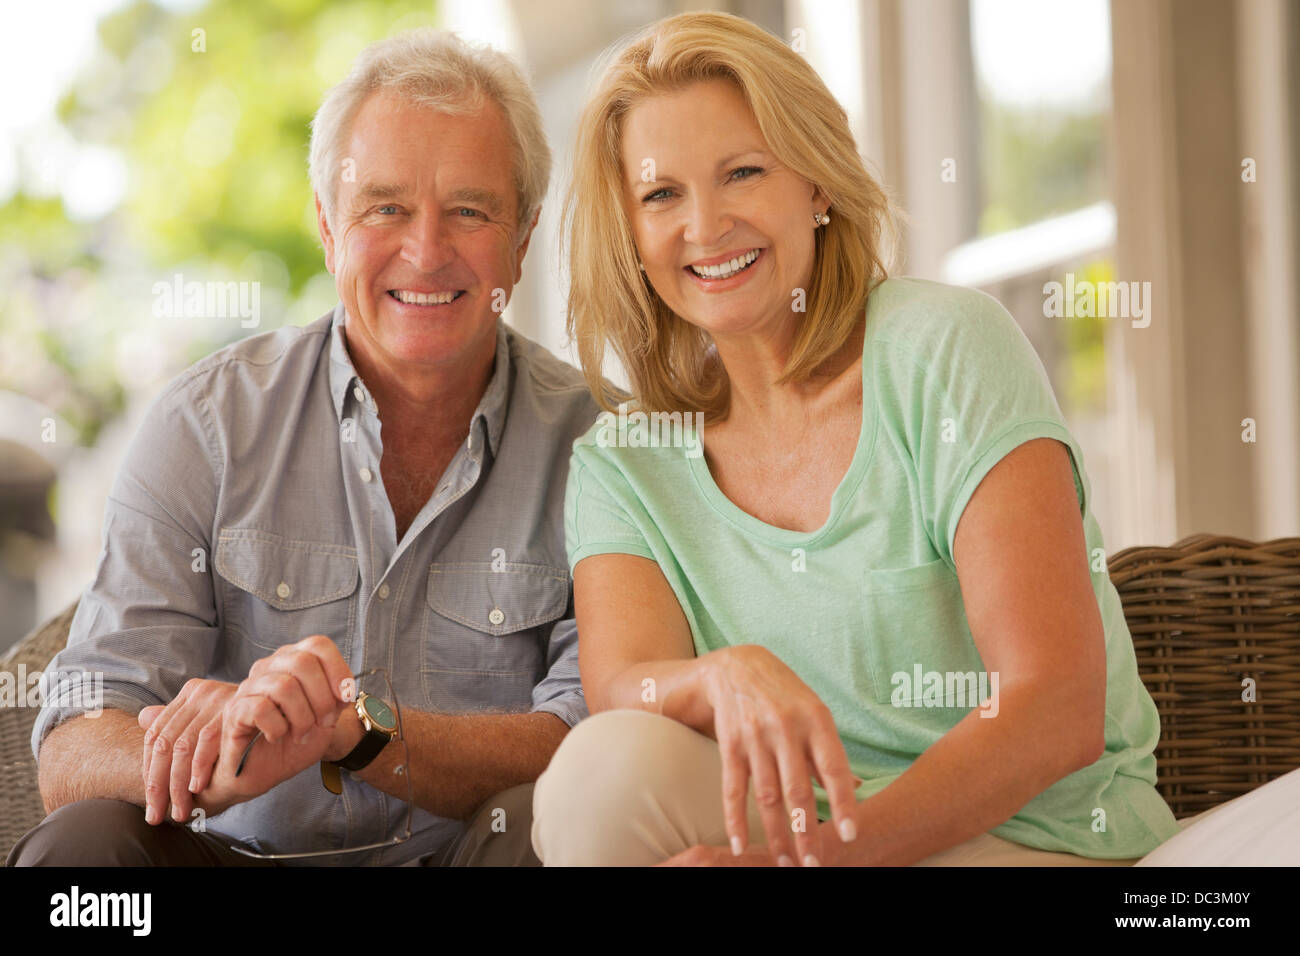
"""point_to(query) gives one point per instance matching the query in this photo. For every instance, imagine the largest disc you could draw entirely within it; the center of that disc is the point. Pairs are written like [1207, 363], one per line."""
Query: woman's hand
[771, 726]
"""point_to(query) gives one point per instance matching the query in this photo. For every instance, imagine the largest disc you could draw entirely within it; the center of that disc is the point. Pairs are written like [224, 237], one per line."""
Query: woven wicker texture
[20, 801]
[1205, 614]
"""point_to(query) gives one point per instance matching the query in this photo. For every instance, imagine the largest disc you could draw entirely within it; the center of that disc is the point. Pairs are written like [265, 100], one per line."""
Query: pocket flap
[514, 598]
[287, 574]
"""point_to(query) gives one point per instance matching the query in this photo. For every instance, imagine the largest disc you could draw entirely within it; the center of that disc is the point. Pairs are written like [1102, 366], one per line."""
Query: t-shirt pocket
[918, 638]
[483, 635]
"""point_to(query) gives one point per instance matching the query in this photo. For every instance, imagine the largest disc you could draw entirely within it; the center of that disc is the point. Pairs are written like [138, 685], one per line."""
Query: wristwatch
[380, 725]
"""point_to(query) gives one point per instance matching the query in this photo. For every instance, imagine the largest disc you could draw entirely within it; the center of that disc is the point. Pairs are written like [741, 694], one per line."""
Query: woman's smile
[725, 273]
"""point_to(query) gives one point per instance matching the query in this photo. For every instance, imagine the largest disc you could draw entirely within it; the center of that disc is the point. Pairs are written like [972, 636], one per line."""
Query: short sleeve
[967, 387]
[600, 511]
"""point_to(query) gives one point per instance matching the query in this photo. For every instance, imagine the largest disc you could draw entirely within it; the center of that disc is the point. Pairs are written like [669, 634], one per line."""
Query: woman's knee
[606, 777]
[609, 754]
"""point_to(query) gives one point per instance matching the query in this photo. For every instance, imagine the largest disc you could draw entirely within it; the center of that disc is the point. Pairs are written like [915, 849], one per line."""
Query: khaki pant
[628, 787]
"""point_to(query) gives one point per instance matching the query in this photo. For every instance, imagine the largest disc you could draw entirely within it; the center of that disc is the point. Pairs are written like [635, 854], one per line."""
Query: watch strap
[330, 777]
[366, 751]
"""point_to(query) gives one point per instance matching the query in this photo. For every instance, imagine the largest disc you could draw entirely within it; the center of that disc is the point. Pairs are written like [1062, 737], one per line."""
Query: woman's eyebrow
[756, 151]
[636, 181]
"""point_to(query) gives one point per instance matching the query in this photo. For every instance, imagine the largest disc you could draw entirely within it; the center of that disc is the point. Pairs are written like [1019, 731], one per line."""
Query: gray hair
[436, 69]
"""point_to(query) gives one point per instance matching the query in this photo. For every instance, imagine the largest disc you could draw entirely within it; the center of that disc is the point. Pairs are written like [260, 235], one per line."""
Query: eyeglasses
[404, 768]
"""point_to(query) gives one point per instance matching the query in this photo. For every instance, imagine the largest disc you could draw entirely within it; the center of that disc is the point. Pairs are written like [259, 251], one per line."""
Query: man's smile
[413, 298]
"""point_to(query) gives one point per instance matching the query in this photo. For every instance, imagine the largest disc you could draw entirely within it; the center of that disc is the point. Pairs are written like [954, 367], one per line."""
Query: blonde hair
[611, 304]
[438, 70]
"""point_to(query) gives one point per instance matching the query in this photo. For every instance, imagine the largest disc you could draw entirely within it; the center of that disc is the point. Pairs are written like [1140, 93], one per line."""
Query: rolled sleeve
[147, 622]
[560, 691]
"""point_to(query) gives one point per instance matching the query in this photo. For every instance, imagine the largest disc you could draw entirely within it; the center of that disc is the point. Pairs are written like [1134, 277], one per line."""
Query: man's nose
[426, 243]
[709, 222]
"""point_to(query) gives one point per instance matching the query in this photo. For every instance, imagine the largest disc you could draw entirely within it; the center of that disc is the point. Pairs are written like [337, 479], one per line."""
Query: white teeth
[419, 298]
[725, 269]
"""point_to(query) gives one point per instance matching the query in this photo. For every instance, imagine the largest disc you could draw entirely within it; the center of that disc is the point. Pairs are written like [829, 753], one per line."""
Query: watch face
[380, 713]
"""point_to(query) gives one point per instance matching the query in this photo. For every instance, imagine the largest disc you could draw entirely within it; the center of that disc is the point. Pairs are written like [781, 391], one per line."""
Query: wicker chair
[1205, 614]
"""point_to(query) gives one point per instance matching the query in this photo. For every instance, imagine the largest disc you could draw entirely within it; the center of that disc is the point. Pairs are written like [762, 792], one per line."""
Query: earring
[642, 265]
[821, 219]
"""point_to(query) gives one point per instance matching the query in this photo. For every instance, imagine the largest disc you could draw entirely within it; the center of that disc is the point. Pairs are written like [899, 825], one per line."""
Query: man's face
[423, 247]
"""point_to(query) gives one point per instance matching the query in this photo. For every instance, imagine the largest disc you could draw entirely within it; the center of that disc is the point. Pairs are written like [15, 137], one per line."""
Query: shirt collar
[491, 408]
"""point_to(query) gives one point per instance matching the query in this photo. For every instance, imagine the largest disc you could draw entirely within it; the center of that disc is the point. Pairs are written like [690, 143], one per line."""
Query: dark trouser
[114, 833]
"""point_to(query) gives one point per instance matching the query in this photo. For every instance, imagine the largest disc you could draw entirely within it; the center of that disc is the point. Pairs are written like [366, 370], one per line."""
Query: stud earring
[821, 219]
[642, 265]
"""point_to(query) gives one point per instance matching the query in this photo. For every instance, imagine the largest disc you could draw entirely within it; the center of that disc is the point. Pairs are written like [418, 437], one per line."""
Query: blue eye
[755, 170]
[657, 196]
[472, 212]
[382, 208]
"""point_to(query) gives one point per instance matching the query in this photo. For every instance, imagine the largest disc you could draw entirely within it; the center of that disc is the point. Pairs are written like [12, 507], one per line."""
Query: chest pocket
[485, 633]
[282, 590]
[914, 620]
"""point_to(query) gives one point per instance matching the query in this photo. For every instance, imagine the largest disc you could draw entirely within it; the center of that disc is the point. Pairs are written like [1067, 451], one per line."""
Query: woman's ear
[820, 202]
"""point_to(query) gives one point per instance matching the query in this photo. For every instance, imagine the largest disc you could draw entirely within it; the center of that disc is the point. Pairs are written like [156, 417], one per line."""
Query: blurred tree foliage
[1039, 163]
[214, 129]
[216, 123]
[1085, 347]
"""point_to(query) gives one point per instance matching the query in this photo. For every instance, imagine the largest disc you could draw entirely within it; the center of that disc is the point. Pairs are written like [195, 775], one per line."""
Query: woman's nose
[708, 221]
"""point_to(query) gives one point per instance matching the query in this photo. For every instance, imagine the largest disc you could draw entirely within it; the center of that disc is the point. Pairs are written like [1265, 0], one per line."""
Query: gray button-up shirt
[250, 513]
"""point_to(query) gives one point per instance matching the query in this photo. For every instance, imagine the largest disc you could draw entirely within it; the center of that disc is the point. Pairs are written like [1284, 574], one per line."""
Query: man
[380, 489]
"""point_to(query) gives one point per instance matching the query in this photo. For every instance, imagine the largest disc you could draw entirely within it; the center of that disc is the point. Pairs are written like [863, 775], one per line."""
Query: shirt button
[283, 590]
[365, 474]
[496, 616]
[383, 592]
[360, 395]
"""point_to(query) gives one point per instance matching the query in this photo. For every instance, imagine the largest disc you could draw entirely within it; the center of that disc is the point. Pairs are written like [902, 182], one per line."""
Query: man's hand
[171, 736]
[294, 698]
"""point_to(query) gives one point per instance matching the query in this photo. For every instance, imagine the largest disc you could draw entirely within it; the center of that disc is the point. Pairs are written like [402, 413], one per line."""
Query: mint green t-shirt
[867, 610]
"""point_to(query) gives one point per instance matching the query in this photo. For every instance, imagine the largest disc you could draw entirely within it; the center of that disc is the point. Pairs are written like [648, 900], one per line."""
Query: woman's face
[704, 195]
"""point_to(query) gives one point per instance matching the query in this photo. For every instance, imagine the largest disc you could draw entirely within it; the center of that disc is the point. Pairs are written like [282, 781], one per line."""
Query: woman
[887, 540]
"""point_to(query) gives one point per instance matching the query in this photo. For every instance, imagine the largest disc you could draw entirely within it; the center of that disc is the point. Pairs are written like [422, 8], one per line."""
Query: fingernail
[784, 860]
[331, 720]
[194, 784]
[176, 814]
[848, 831]
[150, 815]
[810, 860]
[303, 739]
[737, 847]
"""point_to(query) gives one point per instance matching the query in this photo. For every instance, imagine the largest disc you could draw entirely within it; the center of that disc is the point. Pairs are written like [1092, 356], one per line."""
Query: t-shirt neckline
[844, 491]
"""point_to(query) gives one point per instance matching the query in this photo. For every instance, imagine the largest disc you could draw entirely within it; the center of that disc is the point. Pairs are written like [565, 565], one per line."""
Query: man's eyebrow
[480, 197]
[381, 191]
